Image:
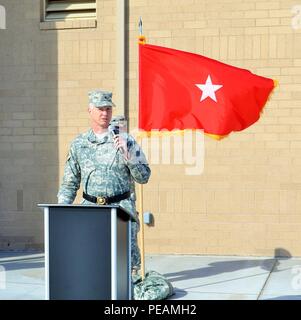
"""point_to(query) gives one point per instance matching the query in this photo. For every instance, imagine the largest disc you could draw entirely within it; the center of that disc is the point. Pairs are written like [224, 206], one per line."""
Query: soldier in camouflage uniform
[105, 164]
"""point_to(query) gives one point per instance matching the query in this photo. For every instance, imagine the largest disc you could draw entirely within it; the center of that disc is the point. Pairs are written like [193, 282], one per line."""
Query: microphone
[114, 130]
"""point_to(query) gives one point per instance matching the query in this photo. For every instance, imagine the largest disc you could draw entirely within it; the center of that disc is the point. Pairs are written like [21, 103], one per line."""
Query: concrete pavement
[193, 277]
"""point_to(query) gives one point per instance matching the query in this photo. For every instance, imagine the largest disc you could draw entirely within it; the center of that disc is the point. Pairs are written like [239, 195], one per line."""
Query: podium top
[127, 214]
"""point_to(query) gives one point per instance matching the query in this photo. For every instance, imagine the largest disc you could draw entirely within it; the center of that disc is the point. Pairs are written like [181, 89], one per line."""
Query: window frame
[69, 23]
[79, 11]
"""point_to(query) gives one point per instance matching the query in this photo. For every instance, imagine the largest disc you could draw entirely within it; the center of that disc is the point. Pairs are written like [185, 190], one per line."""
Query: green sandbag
[153, 287]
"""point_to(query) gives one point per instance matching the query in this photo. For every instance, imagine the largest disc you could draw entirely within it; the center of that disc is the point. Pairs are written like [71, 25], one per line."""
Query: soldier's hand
[121, 145]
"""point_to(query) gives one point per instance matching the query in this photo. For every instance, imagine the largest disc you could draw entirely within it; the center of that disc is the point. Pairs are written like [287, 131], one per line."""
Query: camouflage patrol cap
[101, 98]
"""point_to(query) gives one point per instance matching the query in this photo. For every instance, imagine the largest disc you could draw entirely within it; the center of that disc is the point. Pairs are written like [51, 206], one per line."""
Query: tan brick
[23, 146]
[207, 32]
[281, 29]
[246, 201]
[256, 14]
[194, 24]
[23, 131]
[22, 115]
[256, 30]
[256, 47]
[267, 22]
[269, 5]
[160, 34]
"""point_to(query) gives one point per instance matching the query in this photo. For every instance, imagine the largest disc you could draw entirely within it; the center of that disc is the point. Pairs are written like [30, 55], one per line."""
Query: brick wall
[247, 200]
[45, 74]
[28, 125]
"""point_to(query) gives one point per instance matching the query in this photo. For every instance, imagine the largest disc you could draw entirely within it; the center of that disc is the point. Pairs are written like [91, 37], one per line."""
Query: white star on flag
[208, 89]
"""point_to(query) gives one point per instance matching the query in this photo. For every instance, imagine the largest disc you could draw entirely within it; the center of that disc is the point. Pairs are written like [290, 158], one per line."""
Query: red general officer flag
[182, 90]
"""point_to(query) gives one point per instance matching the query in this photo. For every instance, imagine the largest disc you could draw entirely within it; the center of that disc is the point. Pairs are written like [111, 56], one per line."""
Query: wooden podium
[87, 252]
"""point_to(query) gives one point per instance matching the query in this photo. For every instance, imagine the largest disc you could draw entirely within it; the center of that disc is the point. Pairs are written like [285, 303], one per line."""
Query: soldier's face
[101, 116]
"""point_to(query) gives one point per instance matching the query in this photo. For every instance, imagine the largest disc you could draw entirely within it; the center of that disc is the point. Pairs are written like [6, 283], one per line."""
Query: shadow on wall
[292, 297]
[23, 263]
[228, 266]
[282, 253]
[28, 125]
[127, 62]
[2, 17]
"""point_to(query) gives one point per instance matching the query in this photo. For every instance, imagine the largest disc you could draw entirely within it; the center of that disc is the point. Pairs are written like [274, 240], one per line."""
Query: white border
[46, 251]
[130, 257]
[113, 254]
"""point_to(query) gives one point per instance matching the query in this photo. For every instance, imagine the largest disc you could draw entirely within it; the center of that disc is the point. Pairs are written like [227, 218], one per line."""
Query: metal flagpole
[140, 187]
[141, 233]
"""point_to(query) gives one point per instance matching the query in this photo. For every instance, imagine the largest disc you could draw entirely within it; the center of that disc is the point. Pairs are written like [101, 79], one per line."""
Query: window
[2, 17]
[57, 10]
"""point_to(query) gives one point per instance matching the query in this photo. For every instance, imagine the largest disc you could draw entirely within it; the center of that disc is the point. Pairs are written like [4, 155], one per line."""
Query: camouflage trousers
[135, 251]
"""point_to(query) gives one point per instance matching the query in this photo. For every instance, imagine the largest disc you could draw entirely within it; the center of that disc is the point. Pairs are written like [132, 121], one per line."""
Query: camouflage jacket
[102, 169]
